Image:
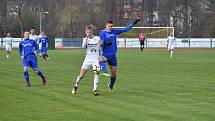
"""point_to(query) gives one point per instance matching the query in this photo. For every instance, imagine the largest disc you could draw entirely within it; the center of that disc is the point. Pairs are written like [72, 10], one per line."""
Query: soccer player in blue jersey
[109, 39]
[26, 52]
[43, 40]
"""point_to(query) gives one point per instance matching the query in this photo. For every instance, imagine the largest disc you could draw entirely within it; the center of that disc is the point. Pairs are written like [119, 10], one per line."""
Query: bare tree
[17, 7]
[3, 17]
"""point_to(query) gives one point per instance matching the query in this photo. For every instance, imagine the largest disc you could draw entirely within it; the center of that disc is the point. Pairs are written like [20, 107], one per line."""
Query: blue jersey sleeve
[36, 46]
[102, 37]
[127, 28]
[20, 49]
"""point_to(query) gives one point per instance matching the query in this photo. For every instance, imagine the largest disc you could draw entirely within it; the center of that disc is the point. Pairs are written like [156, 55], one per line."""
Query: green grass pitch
[149, 87]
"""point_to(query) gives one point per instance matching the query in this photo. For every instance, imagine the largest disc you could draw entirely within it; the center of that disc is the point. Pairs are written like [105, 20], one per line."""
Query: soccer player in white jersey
[8, 44]
[33, 35]
[171, 44]
[92, 45]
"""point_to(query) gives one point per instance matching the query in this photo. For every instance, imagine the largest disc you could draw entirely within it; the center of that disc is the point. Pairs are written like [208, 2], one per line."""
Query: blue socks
[112, 82]
[103, 67]
[26, 75]
[41, 75]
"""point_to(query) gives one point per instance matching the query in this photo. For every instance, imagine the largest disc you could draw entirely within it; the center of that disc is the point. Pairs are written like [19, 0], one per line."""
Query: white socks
[96, 82]
[77, 81]
[171, 54]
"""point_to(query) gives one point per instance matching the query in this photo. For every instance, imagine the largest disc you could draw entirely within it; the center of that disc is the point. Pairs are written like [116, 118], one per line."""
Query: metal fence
[162, 42]
[132, 42]
[150, 43]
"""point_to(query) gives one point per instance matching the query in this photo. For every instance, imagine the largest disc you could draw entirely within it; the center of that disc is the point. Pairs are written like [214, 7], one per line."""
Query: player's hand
[136, 21]
[22, 57]
[108, 43]
[100, 43]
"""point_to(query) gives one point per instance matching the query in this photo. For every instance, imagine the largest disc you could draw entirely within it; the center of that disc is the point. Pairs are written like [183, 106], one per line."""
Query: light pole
[41, 19]
[158, 13]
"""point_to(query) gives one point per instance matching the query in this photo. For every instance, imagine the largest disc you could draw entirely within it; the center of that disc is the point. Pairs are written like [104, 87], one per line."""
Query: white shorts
[8, 48]
[89, 63]
[170, 47]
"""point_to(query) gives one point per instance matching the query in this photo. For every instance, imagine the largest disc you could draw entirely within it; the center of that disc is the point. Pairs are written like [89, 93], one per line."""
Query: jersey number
[93, 50]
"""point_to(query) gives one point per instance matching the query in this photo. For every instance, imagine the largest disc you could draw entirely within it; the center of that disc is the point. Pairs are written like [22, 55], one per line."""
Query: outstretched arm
[127, 28]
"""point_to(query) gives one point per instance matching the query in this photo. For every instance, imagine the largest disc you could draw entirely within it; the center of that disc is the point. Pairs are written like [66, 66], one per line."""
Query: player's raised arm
[127, 28]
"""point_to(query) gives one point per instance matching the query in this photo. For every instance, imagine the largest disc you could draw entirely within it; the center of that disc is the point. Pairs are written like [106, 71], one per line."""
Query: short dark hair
[32, 27]
[89, 28]
[110, 22]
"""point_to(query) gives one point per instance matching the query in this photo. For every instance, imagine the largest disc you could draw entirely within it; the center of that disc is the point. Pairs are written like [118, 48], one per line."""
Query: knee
[113, 73]
[36, 70]
[25, 69]
[81, 76]
[102, 59]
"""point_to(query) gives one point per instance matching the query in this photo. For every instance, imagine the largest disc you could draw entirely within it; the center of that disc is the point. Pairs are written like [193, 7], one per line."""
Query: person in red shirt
[142, 41]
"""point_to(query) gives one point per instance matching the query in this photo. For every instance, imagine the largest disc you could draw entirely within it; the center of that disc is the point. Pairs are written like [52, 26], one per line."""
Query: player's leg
[95, 87]
[113, 69]
[40, 73]
[7, 52]
[46, 54]
[140, 46]
[34, 66]
[171, 52]
[25, 64]
[102, 61]
[10, 50]
[81, 75]
[42, 54]
[113, 76]
[95, 84]
[96, 80]
[78, 79]
[26, 75]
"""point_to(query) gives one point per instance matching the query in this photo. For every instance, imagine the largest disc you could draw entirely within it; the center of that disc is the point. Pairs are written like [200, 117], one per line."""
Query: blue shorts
[111, 59]
[30, 60]
[43, 50]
